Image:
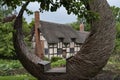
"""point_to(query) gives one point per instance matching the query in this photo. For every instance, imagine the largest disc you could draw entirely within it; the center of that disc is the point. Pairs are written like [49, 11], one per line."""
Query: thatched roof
[81, 36]
[53, 32]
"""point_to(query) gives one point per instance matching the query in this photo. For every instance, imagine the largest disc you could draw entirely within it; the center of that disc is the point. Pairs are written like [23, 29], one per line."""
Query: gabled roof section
[82, 35]
[54, 31]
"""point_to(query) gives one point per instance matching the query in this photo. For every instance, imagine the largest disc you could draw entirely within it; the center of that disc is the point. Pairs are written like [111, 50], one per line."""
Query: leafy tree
[116, 12]
[118, 29]
[77, 7]
[27, 32]
[6, 29]
[117, 41]
[6, 44]
[4, 10]
[6, 41]
[76, 25]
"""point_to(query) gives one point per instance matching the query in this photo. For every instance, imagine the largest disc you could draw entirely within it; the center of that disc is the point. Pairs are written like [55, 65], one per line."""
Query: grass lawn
[13, 70]
[17, 77]
[113, 63]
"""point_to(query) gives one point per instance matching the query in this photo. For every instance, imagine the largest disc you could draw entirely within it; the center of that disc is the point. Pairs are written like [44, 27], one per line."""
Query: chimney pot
[37, 18]
[81, 27]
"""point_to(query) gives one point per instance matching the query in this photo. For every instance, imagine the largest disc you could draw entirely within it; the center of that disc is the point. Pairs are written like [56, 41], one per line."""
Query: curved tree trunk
[97, 48]
[84, 65]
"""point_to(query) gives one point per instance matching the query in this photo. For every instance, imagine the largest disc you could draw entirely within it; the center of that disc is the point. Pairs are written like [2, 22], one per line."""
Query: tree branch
[23, 9]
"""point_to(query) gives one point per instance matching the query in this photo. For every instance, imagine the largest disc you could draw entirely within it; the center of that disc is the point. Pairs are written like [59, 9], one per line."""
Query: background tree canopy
[6, 29]
[116, 12]
[77, 7]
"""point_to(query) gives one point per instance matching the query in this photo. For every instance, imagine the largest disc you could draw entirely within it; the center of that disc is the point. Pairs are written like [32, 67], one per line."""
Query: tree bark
[96, 50]
[8, 19]
[88, 61]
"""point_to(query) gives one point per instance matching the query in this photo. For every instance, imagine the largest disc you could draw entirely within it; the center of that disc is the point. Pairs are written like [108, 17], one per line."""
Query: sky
[60, 16]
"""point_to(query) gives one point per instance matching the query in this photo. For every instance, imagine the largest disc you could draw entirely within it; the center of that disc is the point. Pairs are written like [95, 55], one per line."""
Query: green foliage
[116, 12]
[17, 77]
[59, 63]
[117, 46]
[6, 44]
[113, 63]
[46, 59]
[76, 25]
[117, 41]
[6, 29]
[14, 67]
[26, 28]
[6, 66]
[78, 7]
[13, 3]
[9, 64]
[118, 29]
[26, 31]
[4, 10]
[54, 59]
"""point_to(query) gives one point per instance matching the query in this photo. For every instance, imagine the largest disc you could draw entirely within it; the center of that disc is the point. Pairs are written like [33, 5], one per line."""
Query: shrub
[54, 59]
[8, 67]
[59, 63]
[17, 77]
[46, 59]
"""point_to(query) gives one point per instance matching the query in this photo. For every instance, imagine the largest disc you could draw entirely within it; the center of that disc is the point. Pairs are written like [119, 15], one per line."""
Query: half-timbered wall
[56, 49]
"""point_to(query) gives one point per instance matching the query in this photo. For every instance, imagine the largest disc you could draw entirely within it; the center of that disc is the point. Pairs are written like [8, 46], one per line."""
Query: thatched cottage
[57, 39]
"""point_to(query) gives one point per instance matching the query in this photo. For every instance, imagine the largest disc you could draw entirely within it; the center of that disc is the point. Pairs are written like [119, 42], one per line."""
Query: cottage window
[59, 51]
[65, 46]
[46, 51]
[72, 50]
[73, 39]
[60, 44]
[52, 49]
[61, 39]
[55, 50]
[77, 47]
[72, 45]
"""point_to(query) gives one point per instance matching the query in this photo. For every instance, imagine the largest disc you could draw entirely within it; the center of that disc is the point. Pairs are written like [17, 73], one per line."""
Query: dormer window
[61, 39]
[60, 44]
[73, 39]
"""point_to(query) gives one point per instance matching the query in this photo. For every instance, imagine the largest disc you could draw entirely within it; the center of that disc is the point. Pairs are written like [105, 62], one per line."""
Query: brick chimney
[81, 27]
[38, 45]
